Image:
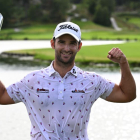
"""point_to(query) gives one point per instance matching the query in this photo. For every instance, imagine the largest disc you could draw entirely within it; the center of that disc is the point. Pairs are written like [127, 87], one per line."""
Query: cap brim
[69, 34]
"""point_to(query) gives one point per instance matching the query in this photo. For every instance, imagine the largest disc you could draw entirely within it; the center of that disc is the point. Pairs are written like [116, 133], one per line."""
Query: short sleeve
[104, 87]
[17, 91]
[108, 89]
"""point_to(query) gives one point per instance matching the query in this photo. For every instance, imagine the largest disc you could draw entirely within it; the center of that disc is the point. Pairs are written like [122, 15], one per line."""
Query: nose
[67, 47]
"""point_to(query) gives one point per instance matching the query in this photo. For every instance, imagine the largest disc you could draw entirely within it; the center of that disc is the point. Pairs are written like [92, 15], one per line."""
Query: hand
[116, 55]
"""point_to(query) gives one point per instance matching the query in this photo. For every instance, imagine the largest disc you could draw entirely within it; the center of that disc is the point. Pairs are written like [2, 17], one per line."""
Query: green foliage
[6, 9]
[102, 16]
[76, 1]
[120, 2]
[55, 9]
[58, 11]
[35, 12]
[92, 6]
[110, 4]
[22, 12]
[89, 30]
[123, 2]
[128, 5]
[101, 11]
[133, 5]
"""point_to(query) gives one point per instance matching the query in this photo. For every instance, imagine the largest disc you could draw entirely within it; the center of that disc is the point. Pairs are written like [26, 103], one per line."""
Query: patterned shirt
[59, 108]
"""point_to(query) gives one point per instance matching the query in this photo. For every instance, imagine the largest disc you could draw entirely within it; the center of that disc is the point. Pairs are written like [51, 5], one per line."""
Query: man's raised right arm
[4, 97]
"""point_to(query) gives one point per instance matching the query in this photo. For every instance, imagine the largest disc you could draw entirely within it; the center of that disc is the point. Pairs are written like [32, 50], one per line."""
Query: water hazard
[108, 121]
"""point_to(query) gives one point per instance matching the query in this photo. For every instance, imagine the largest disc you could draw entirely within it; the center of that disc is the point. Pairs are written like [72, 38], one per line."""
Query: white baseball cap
[68, 28]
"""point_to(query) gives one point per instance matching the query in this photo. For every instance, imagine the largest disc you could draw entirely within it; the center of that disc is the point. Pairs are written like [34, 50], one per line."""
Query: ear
[79, 47]
[52, 44]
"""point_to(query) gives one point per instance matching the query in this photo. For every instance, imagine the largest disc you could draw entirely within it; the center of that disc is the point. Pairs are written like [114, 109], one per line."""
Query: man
[59, 98]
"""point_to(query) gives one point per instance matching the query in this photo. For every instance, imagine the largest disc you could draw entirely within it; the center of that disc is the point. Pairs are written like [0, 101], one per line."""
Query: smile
[66, 53]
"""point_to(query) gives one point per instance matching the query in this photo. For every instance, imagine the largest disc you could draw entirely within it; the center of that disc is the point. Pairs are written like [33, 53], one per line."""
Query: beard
[60, 59]
[70, 61]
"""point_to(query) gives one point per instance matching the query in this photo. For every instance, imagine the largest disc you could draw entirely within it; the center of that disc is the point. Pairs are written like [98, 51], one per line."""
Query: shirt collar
[51, 69]
[72, 71]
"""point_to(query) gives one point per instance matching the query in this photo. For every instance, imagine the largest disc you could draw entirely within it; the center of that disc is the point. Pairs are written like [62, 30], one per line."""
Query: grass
[89, 30]
[99, 53]
[111, 35]
[132, 20]
[96, 54]
[36, 32]
[135, 20]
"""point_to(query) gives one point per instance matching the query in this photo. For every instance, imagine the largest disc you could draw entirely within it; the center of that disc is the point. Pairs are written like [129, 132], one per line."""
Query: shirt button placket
[61, 90]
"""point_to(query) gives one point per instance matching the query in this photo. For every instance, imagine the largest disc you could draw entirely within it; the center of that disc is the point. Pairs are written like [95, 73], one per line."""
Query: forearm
[127, 83]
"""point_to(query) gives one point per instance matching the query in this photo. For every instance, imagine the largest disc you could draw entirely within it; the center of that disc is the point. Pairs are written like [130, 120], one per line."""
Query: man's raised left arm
[126, 90]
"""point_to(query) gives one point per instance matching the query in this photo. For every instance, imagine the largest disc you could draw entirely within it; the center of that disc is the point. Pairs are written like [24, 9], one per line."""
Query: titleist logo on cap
[67, 26]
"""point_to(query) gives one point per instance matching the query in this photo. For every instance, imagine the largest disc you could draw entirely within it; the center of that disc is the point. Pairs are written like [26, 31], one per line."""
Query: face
[66, 48]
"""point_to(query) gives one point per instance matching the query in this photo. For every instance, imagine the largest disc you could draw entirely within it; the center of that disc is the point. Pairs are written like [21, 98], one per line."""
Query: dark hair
[54, 39]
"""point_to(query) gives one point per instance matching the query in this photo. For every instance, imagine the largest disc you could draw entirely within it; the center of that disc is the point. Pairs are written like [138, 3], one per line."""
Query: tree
[110, 4]
[6, 9]
[76, 1]
[35, 12]
[55, 9]
[102, 16]
[92, 5]
[102, 10]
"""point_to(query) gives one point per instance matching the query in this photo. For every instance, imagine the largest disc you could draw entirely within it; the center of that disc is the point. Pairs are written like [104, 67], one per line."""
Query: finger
[115, 52]
[109, 56]
[119, 54]
[111, 51]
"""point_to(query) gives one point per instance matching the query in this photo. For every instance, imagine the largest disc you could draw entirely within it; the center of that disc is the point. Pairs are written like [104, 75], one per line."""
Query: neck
[61, 68]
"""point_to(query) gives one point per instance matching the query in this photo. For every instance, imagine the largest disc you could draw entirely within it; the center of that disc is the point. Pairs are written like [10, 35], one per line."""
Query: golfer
[59, 97]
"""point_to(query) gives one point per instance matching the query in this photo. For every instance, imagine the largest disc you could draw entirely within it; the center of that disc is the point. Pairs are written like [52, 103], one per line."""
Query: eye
[61, 41]
[73, 43]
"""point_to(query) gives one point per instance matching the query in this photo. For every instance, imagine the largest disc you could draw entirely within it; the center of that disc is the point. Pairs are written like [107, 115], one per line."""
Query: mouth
[66, 54]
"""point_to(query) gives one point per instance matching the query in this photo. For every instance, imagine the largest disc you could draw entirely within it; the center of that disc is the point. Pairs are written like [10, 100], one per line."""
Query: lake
[108, 121]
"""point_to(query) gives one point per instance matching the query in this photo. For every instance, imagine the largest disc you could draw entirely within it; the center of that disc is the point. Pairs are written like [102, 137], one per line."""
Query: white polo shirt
[59, 107]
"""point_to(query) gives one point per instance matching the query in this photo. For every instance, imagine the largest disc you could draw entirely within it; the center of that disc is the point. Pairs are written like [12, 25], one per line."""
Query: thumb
[109, 56]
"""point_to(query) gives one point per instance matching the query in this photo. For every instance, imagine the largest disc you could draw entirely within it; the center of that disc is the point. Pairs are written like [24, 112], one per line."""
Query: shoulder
[87, 74]
[91, 76]
[36, 74]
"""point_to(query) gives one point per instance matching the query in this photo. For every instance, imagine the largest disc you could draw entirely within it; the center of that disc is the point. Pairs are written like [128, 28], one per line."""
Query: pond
[108, 121]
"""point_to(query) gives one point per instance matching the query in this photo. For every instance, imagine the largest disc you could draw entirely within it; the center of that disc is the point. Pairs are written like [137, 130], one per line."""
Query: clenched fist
[116, 55]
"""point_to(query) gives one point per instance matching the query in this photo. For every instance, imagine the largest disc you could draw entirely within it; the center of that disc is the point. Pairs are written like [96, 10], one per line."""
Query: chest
[62, 93]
